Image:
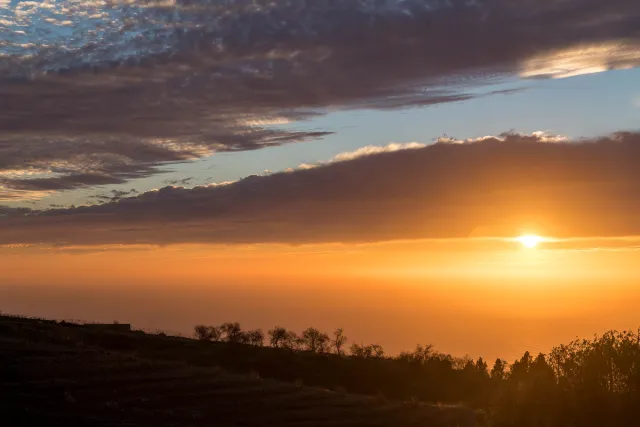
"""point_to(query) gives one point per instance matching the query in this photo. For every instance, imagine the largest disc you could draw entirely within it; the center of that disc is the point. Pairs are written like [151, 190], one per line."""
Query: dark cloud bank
[169, 84]
[491, 186]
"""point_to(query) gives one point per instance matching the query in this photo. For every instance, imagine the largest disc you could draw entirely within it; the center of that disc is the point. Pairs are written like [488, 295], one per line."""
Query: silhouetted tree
[358, 350]
[201, 332]
[482, 368]
[339, 340]
[520, 368]
[586, 383]
[296, 341]
[367, 351]
[314, 340]
[422, 353]
[255, 337]
[232, 333]
[278, 337]
[207, 333]
[541, 369]
[376, 350]
[469, 366]
[462, 363]
[293, 341]
[499, 370]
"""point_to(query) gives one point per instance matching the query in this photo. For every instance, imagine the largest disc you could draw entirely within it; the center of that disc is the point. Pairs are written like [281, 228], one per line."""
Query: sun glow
[529, 241]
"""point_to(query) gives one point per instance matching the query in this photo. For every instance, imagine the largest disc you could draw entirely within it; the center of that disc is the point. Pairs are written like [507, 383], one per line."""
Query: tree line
[311, 339]
[584, 383]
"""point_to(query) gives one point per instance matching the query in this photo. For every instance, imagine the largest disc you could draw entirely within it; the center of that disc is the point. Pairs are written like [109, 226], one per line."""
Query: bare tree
[339, 340]
[207, 333]
[278, 337]
[314, 340]
[232, 333]
[255, 337]
[293, 341]
[201, 332]
[423, 353]
[375, 351]
[360, 350]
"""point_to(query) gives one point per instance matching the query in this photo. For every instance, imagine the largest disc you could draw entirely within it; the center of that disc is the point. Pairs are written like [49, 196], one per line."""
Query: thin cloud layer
[109, 91]
[493, 186]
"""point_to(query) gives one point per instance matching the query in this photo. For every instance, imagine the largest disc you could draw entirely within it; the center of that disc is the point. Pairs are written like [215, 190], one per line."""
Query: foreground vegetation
[584, 383]
[69, 375]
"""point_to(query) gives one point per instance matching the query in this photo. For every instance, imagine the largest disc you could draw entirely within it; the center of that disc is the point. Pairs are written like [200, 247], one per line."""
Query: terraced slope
[44, 384]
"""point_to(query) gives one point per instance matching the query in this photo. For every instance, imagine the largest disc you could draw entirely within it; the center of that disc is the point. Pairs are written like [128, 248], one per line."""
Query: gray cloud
[488, 187]
[6, 211]
[113, 195]
[36, 166]
[169, 84]
[181, 182]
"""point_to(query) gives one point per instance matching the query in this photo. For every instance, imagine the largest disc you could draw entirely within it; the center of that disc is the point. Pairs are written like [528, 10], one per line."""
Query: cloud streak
[163, 83]
[493, 186]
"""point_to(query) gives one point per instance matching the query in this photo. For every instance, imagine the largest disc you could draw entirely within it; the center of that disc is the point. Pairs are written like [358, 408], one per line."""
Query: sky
[366, 164]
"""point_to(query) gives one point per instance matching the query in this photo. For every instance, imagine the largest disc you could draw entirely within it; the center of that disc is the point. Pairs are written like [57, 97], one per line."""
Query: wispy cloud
[368, 150]
[583, 59]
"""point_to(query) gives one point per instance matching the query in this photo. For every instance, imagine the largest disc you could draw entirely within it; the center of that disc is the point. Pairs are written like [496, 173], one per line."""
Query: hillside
[64, 374]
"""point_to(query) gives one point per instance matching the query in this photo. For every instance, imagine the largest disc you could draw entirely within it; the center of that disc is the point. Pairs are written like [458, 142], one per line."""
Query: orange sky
[484, 297]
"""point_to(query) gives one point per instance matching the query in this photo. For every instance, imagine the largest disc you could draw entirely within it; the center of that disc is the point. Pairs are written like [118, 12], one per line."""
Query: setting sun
[529, 240]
